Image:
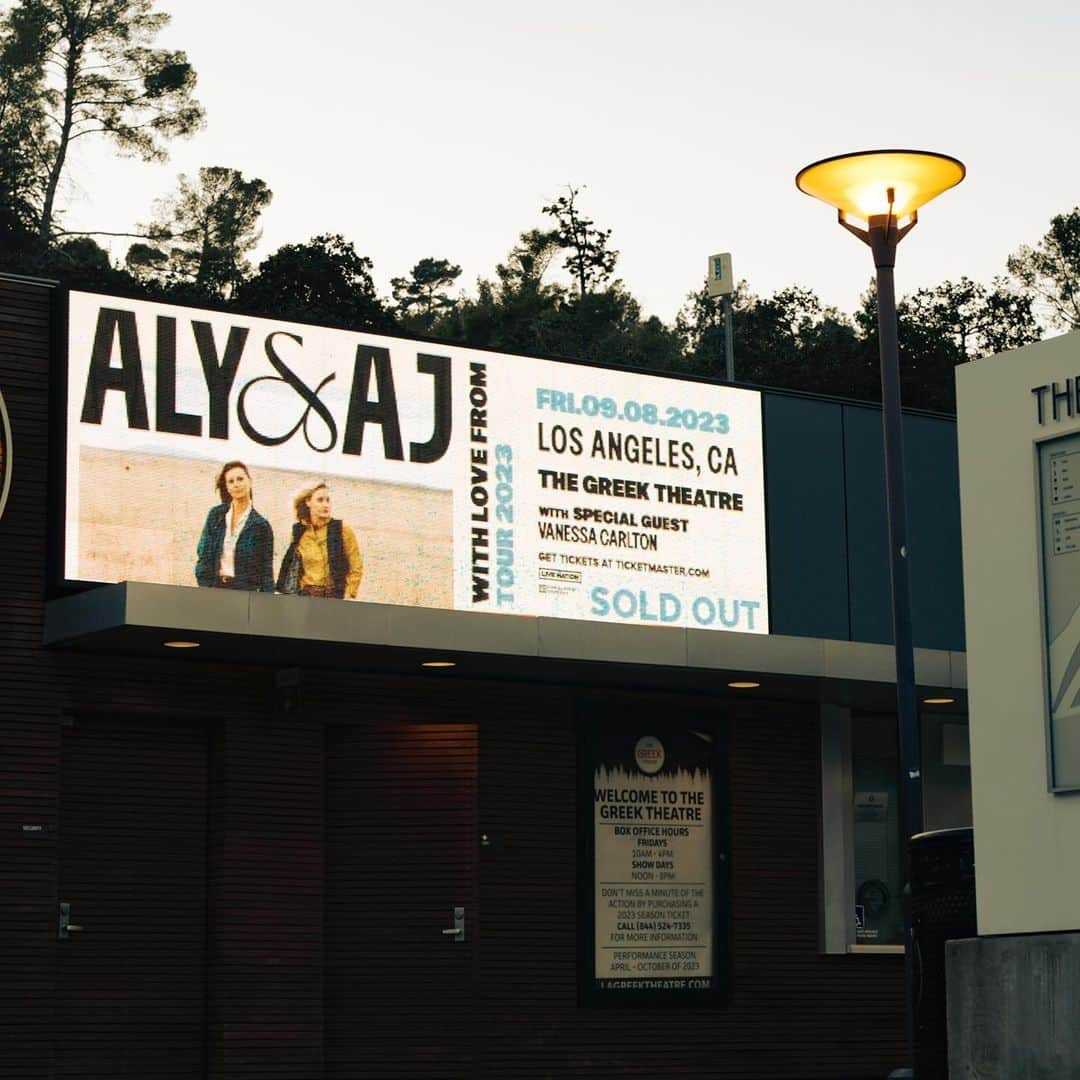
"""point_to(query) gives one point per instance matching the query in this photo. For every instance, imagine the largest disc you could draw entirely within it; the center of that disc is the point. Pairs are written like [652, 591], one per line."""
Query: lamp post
[884, 189]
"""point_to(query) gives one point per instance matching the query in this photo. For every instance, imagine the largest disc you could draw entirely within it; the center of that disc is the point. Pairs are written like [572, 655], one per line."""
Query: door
[400, 858]
[131, 963]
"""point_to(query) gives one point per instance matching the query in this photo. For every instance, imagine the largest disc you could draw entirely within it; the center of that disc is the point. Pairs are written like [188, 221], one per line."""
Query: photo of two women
[236, 548]
[145, 517]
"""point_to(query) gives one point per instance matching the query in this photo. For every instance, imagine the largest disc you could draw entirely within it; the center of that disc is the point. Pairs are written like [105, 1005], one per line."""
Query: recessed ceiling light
[939, 700]
[438, 663]
[181, 644]
[744, 685]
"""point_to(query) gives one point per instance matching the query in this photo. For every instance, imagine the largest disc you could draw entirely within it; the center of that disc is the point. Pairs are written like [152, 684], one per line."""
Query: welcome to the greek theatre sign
[471, 480]
[653, 895]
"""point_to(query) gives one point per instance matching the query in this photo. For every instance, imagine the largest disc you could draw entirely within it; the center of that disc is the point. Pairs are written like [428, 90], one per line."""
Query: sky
[437, 129]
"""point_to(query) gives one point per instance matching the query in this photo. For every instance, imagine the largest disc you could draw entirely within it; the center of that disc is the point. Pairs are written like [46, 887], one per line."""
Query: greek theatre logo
[649, 754]
[5, 455]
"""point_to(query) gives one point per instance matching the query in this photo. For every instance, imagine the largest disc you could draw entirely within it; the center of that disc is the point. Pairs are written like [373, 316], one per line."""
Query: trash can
[942, 909]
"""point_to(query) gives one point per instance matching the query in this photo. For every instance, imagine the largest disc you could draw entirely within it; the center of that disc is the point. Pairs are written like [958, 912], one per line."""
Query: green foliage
[588, 259]
[940, 327]
[23, 137]
[978, 320]
[516, 312]
[700, 326]
[528, 261]
[928, 356]
[520, 312]
[789, 339]
[322, 281]
[1049, 273]
[605, 326]
[92, 70]
[79, 262]
[202, 234]
[422, 297]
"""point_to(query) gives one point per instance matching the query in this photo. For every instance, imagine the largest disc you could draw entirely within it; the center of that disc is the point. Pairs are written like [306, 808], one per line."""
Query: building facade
[1013, 988]
[294, 851]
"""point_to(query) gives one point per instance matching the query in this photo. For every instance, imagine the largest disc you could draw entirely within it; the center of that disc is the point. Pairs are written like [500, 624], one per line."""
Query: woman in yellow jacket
[323, 558]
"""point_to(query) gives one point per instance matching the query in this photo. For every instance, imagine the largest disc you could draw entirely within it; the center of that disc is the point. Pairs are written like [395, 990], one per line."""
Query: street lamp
[884, 189]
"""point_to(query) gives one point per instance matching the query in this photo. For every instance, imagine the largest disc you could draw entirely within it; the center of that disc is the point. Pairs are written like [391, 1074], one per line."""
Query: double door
[137, 924]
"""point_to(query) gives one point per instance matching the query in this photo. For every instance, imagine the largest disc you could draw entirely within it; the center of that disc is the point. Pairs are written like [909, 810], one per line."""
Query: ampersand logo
[287, 376]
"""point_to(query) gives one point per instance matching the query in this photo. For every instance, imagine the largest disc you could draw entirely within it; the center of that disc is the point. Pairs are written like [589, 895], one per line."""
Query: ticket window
[861, 880]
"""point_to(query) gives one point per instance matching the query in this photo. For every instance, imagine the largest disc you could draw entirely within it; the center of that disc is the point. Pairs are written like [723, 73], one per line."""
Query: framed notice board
[654, 894]
[1059, 503]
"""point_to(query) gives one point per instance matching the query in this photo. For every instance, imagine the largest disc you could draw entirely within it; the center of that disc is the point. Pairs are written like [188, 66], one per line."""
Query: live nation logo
[5, 455]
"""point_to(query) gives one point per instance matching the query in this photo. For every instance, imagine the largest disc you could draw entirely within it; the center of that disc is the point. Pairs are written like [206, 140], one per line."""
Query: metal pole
[883, 239]
[729, 339]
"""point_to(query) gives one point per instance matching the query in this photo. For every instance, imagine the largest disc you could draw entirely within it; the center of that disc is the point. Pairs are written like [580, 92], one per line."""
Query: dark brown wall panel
[131, 974]
[793, 1009]
[29, 728]
[266, 899]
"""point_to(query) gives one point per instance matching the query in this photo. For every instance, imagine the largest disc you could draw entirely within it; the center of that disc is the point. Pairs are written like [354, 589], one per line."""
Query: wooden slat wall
[29, 728]
[796, 1014]
[266, 895]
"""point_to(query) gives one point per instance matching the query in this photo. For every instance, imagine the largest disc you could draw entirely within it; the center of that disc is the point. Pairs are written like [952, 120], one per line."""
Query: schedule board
[653, 878]
[1059, 497]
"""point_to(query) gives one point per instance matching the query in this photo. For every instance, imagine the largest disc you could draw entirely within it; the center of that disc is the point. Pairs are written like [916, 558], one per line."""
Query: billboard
[458, 478]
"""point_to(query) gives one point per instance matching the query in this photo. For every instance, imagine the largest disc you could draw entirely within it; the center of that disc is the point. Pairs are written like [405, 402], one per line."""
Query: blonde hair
[300, 503]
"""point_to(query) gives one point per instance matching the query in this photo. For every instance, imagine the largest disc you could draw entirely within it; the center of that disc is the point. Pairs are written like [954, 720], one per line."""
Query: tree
[23, 138]
[322, 281]
[601, 326]
[789, 339]
[528, 260]
[516, 311]
[589, 260]
[792, 339]
[980, 321]
[421, 298]
[940, 327]
[700, 326]
[928, 355]
[1050, 272]
[203, 233]
[100, 75]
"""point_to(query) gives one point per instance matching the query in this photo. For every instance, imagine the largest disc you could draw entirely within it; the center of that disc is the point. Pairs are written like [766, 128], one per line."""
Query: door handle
[67, 927]
[458, 929]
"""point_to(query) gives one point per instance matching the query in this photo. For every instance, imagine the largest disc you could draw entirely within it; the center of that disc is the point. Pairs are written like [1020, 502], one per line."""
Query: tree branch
[101, 232]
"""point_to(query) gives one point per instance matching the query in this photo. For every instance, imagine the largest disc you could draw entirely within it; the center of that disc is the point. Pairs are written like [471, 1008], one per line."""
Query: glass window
[876, 850]
[861, 854]
[879, 919]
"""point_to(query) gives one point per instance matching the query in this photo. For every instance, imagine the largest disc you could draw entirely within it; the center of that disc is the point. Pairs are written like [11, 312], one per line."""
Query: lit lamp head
[880, 187]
